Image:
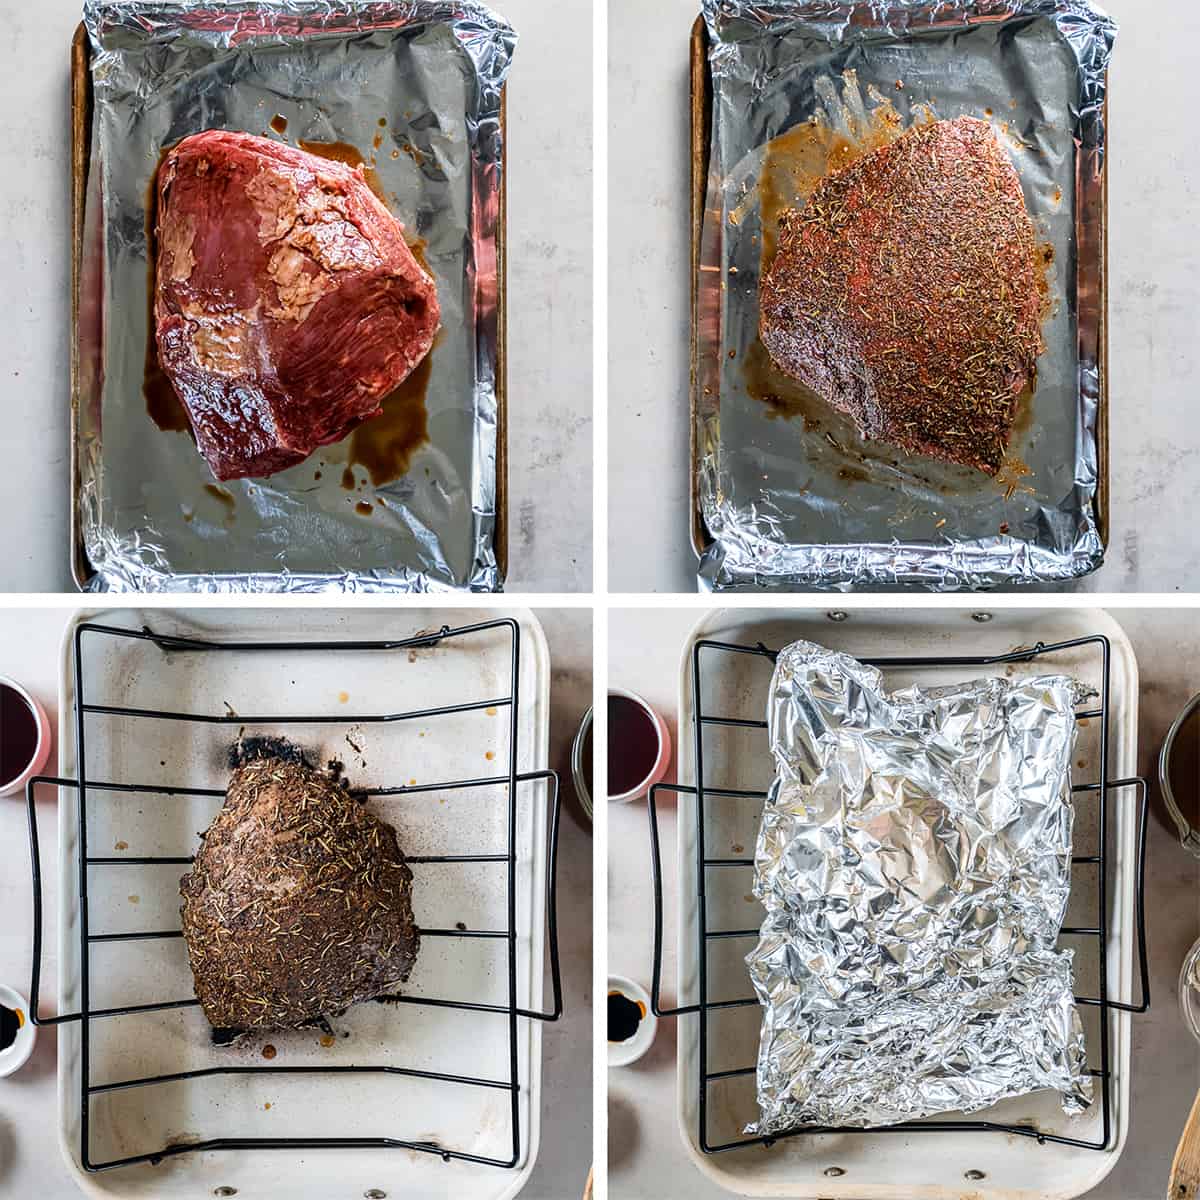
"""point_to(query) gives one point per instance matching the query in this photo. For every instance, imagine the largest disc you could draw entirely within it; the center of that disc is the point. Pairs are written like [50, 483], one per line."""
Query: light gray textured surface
[1154, 290]
[647, 1160]
[549, 293]
[30, 1161]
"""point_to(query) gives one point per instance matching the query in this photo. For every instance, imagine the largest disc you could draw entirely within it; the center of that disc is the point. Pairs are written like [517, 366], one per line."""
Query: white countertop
[549, 295]
[31, 1163]
[1154, 292]
[647, 1160]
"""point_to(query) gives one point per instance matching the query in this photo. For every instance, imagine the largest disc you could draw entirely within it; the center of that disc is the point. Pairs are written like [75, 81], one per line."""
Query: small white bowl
[42, 751]
[622, 1054]
[663, 760]
[14, 1057]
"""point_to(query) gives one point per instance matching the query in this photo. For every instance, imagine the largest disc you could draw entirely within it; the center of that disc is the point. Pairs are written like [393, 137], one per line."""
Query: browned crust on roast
[298, 903]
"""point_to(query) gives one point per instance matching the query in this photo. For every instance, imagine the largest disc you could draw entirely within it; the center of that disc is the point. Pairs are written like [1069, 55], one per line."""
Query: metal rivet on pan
[838, 616]
[834, 1172]
[375, 1194]
[974, 1176]
[982, 618]
[224, 1191]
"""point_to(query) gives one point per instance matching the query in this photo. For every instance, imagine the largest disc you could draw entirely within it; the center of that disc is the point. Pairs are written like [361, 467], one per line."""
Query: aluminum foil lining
[914, 861]
[149, 517]
[793, 503]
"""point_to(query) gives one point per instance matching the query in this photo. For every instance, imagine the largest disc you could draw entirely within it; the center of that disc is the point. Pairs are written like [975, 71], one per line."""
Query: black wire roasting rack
[92, 790]
[1098, 791]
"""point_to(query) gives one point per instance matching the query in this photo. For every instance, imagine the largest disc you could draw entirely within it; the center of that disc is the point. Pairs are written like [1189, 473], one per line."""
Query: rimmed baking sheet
[146, 513]
[789, 503]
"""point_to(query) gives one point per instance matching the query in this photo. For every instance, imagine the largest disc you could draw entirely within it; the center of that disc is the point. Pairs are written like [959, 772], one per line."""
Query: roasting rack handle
[35, 859]
[551, 897]
[1143, 815]
[656, 866]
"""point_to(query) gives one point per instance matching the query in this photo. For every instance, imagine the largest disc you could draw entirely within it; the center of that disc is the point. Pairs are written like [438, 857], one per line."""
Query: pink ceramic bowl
[661, 763]
[41, 751]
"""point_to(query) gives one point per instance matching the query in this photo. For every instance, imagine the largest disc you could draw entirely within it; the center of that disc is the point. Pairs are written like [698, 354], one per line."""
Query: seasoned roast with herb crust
[905, 294]
[299, 901]
[287, 302]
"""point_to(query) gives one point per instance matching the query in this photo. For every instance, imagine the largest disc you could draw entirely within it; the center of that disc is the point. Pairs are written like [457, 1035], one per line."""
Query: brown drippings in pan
[783, 395]
[279, 123]
[351, 156]
[418, 246]
[385, 445]
[1043, 270]
[221, 496]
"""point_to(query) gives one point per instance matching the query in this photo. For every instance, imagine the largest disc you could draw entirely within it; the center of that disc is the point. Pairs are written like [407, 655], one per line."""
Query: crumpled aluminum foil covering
[333, 68]
[785, 507]
[914, 860]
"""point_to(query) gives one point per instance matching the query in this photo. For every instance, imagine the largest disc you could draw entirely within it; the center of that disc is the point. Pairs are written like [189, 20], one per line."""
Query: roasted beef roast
[299, 902]
[905, 293]
[287, 301]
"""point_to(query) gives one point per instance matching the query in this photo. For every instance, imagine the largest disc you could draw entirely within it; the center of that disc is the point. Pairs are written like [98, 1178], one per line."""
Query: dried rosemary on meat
[906, 294]
[299, 901]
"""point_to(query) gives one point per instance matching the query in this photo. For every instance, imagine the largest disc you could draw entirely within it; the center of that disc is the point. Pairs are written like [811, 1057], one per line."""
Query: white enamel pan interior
[343, 684]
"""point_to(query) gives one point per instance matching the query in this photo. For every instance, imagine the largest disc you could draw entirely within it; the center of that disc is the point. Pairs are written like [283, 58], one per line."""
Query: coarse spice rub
[906, 294]
[299, 901]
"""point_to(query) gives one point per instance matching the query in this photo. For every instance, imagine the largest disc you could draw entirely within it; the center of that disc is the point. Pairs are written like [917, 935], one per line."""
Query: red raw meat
[287, 302]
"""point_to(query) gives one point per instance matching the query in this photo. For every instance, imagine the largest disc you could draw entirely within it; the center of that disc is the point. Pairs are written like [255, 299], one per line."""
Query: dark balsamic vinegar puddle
[624, 1016]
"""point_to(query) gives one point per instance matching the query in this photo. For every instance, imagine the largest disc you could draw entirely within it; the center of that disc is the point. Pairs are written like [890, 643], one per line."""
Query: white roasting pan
[343, 685]
[898, 1165]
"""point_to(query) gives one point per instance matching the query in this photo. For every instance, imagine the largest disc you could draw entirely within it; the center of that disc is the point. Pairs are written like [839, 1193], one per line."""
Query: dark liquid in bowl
[632, 745]
[624, 1016]
[1183, 770]
[18, 735]
[10, 1023]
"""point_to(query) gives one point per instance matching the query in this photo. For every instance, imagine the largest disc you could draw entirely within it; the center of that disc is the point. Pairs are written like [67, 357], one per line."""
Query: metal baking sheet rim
[82, 570]
[701, 90]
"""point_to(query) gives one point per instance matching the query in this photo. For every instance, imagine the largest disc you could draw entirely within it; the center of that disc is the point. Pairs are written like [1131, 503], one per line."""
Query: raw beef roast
[905, 294]
[299, 901]
[287, 302]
